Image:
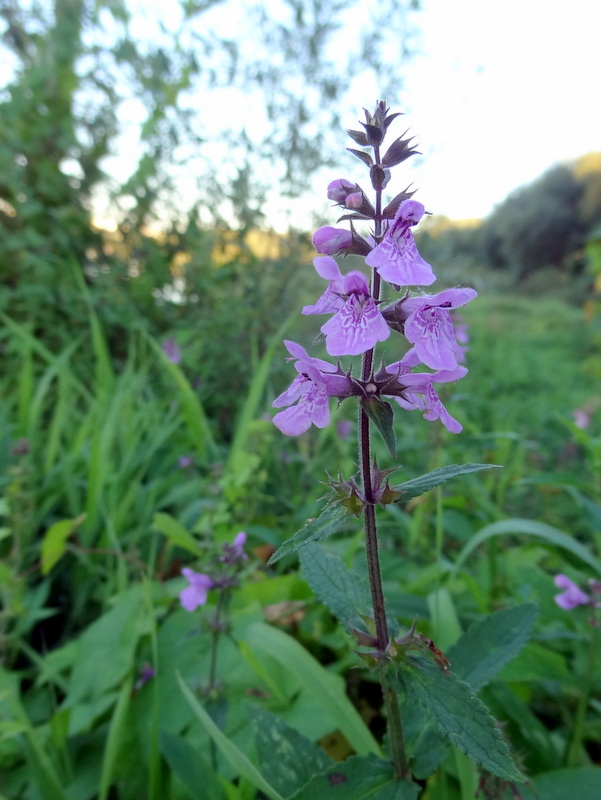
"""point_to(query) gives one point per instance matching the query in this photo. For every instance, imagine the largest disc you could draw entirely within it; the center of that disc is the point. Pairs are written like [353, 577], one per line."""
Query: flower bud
[329, 241]
[339, 189]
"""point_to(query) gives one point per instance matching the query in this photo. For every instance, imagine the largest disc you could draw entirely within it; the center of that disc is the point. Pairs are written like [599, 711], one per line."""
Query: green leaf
[114, 740]
[359, 778]
[286, 755]
[529, 527]
[332, 519]
[418, 486]
[343, 591]
[175, 532]
[463, 718]
[190, 766]
[54, 542]
[316, 680]
[566, 784]
[381, 414]
[537, 663]
[492, 643]
[236, 757]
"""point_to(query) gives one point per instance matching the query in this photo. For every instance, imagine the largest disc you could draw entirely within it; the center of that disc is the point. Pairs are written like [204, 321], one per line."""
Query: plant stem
[395, 727]
[393, 715]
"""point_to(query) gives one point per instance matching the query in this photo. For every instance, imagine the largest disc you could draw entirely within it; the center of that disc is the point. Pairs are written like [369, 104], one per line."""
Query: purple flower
[339, 189]
[420, 394]
[234, 552]
[195, 594]
[331, 240]
[171, 349]
[396, 257]
[428, 326]
[582, 418]
[344, 428]
[357, 323]
[146, 674]
[354, 200]
[184, 461]
[312, 388]
[572, 595]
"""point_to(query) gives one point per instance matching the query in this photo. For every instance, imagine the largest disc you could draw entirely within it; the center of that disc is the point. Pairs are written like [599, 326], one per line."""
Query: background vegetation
[120, 464]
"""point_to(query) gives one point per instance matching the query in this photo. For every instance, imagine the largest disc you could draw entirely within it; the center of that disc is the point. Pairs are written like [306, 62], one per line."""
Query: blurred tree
[107, 83]
[537, 226]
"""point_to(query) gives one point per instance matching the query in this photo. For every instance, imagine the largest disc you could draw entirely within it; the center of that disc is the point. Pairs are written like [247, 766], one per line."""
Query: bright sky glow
[502, 92]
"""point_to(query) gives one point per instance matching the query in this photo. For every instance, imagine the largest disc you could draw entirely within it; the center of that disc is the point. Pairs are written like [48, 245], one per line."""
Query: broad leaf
[357, 778]
[332, 519]
[565, 784]
[343, 591]
[463, 718]
[423, 484]
[491, 643]
[289, 758]
[236, 757]
[326, 688]
[191, 766]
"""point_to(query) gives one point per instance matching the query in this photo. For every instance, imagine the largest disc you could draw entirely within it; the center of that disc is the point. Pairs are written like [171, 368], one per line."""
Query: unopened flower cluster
[358, 319]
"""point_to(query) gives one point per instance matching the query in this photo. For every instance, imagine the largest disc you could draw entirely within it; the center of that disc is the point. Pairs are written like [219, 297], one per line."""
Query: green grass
[103, 438]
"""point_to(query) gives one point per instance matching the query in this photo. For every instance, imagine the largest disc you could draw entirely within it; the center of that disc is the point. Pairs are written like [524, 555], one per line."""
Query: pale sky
[503, 91]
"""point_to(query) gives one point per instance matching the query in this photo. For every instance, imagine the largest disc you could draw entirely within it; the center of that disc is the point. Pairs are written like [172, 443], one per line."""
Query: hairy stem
[393, 715]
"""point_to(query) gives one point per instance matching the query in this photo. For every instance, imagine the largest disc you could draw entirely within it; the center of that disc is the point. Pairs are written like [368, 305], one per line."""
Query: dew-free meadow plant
[390, 307]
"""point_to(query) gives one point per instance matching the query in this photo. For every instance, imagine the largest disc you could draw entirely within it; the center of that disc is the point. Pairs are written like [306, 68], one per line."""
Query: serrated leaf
[462, 717]
[365, 157]
[418, 486]
[359, 778]
[332, 519]
[491, 643]
[343, 591]
[381, 414]
[175, 532]
[289, 758]
[54, 542]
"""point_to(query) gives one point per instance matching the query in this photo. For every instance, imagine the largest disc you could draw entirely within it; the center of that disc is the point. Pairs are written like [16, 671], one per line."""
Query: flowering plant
[386, 307]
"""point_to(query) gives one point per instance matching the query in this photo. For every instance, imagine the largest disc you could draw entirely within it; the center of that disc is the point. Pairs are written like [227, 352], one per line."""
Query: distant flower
[582, 418]
[429, 328]
[309, 393]
[195, 594]
[171, 349]
[357, 323]
[184, 461]
[572, 595]
[396, 257]
[344, 428]
[234, 552]
[146, 674]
